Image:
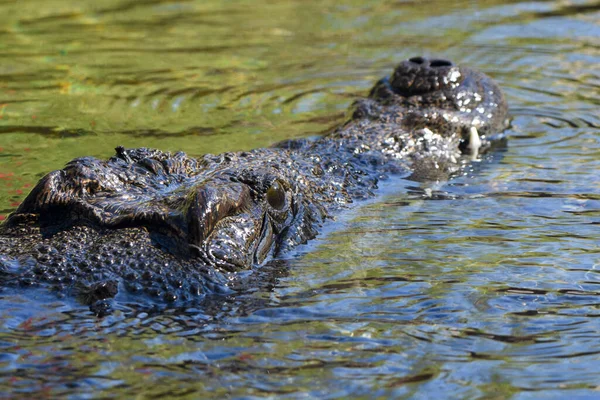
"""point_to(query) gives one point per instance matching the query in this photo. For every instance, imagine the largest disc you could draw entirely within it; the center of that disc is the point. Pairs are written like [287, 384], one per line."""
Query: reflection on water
[484, 286]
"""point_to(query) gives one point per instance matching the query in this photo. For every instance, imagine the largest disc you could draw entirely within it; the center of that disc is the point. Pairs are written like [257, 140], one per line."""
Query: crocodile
[172, 228]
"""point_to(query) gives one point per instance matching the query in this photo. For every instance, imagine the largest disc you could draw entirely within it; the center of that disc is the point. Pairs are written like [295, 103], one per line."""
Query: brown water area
[484, 286]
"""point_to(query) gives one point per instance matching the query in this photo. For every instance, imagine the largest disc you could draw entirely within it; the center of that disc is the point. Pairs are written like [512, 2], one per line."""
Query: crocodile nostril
[440, 63]
[417, 60]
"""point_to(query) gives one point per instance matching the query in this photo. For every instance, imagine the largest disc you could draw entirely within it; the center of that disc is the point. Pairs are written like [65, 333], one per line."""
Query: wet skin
[174, 228]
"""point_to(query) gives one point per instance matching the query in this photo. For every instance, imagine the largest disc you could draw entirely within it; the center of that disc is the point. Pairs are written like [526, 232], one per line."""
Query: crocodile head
[231, 211]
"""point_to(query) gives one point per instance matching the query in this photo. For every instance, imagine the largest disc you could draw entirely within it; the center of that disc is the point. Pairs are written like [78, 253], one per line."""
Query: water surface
[486, 286]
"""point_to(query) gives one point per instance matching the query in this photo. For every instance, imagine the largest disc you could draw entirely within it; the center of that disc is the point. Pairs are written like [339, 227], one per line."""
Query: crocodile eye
[276, 196]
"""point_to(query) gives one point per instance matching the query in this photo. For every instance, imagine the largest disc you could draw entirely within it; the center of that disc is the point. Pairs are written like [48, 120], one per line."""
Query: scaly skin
[175, 228]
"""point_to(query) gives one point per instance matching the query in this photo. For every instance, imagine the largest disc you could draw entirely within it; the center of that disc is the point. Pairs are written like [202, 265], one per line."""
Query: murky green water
[489, 289]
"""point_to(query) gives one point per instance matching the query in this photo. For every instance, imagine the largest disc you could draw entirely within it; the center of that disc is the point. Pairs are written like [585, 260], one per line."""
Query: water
[490, 288]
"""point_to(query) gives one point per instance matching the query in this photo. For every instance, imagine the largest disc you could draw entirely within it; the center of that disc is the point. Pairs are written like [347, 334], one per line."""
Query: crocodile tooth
[474, 143]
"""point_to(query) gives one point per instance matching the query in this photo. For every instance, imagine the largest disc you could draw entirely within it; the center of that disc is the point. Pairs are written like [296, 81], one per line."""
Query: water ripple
[484, 286]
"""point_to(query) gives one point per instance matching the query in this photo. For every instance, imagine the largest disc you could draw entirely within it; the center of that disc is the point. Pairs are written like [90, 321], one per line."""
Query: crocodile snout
[420, 75]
